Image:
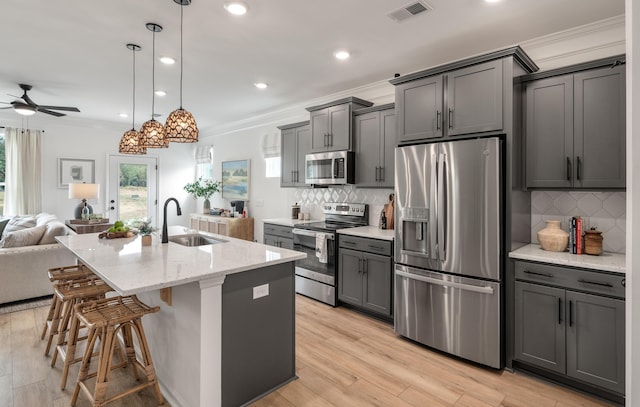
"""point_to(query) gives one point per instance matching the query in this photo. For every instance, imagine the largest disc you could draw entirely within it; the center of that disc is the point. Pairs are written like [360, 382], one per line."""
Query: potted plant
[144, 228]
[203, 189]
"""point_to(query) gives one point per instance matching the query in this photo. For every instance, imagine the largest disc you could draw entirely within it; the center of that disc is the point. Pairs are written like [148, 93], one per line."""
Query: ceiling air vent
[409, 10]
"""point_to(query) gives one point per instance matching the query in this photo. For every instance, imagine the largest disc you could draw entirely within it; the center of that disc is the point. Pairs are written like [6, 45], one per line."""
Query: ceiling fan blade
[8, 107]
[64, 108]
[51, 112]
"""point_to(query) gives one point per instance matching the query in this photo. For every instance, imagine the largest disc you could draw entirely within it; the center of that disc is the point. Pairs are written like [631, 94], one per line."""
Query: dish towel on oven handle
[321, 247]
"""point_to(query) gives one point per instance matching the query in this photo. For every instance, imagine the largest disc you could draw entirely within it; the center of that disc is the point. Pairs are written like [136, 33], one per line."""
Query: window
[204, 162]
[272, 167]
[204, 170]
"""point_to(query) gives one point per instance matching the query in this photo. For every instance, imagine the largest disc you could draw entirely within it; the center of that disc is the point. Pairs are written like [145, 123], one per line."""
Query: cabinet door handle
[538, 274]
[450, 118]
[570, 313]
[376, 247]
[596, 283]
[325, 139]
[568, 169]
[330, 139]
[578, 167]
[381, 173]
[365, 267]
[377, 176]
[559, 310]
[359, 265]
[348, 242]
[438, 119]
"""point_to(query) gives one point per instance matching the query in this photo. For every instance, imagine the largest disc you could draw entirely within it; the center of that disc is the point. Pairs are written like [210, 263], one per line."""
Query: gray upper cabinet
[599, 130]
[374, 143]
[463, 101]
[549, 132]
[575, 129]
[331, 124]
[295, 144]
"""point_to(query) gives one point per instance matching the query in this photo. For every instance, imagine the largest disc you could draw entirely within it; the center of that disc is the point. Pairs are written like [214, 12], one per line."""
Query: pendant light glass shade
[130, 141]
[181, 126]
[152, 132]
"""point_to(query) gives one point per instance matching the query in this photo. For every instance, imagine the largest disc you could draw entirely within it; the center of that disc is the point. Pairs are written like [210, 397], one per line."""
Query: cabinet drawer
[364, 244]
[596, 282]
[278, 230]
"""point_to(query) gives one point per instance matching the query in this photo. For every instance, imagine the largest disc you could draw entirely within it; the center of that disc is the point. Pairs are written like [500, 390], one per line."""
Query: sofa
[27, 250]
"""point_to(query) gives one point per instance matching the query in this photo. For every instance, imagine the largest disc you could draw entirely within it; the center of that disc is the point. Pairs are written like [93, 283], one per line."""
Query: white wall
[67, 141]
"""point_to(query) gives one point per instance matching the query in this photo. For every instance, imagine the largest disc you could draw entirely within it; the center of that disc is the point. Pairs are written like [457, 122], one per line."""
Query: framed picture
[75, 170]
[235, 180]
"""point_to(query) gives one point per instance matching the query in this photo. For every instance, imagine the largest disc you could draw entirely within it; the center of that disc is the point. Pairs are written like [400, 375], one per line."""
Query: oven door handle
[311, 233]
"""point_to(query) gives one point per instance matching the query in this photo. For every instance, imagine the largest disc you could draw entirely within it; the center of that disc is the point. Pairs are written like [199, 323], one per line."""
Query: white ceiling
[74, 52]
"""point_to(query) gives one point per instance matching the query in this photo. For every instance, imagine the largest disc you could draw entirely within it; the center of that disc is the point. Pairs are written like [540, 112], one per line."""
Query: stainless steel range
[316, 275]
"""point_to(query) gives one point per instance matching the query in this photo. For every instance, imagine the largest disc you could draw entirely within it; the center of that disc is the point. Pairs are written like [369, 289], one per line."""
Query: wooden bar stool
[104, 319]
[69, 294]
[60, 275]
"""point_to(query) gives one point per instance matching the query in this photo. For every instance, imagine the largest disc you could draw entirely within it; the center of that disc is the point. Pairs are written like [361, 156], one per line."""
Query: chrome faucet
[165, 235]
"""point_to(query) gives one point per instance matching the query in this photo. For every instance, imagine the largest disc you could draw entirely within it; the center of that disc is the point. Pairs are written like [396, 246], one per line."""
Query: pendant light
[130, 141]
[152, 132]
[181, 126]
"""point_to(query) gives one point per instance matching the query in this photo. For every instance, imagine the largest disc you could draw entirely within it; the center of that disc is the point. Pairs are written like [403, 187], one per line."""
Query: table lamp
[84, 192]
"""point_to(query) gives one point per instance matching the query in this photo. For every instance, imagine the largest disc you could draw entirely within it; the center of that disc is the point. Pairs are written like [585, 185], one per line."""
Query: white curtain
[23, 173]
[271, 145]
[204, 154]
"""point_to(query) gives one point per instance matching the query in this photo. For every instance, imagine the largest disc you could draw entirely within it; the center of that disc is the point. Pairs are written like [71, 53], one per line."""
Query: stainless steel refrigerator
[448, 255]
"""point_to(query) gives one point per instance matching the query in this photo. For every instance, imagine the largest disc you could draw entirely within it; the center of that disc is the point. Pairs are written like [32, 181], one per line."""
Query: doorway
[132, 188]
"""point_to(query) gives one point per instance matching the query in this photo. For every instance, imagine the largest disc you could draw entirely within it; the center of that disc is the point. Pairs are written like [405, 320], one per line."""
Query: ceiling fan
[29, 107]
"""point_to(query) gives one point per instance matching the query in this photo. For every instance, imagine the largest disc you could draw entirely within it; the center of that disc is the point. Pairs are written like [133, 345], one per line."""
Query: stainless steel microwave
[330, 168]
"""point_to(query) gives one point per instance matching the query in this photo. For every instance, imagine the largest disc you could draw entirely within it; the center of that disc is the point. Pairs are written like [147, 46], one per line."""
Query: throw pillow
[44, 218]
[54, 228]
[24, 237]
[3, 224]
[20, 222]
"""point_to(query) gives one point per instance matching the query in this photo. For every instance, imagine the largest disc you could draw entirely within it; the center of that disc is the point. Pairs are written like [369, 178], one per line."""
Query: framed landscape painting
[235, 180]
[75, 170]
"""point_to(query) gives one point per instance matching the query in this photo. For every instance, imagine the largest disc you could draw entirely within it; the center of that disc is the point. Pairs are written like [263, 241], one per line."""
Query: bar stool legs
[105, 319]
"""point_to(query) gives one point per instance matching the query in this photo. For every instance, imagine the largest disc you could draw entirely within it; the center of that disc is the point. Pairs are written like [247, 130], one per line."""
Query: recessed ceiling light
[236, 8]
[167, 60]
[260, 85]
[123, 115]
[342, 54]
[160, 93]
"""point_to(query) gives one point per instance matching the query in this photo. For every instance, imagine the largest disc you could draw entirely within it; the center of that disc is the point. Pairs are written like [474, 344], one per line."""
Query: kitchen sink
[195, 240]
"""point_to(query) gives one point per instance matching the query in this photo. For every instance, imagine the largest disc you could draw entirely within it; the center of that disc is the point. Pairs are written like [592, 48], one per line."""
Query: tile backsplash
[310, 199]
[604, 210]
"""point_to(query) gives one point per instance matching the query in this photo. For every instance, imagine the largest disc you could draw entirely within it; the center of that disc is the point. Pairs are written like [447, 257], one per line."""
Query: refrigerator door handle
[433, 213]
[441, 208]
[466, 287]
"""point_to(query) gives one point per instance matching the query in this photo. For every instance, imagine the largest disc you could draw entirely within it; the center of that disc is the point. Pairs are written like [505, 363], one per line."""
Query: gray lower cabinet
[473, 103]
[331, 124]
[278, 236]
[365, 277]
[295, 144]
[575, 129]
[571, 322]
[374, 143]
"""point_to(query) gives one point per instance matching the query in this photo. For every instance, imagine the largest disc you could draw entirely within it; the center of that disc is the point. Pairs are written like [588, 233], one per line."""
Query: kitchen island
[230, 327]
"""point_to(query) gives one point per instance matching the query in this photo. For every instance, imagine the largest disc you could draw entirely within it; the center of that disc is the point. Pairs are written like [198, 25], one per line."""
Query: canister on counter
[295, 210]
[593, 242]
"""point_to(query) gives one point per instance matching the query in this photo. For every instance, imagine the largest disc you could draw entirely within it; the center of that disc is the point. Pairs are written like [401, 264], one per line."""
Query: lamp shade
[152, 135]
[83, 191]
[130, 143]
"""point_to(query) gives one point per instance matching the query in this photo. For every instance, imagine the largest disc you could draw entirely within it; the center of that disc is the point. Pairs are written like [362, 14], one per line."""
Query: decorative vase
[552, 238]
[593, 242]
[146, 240]
[207, 206]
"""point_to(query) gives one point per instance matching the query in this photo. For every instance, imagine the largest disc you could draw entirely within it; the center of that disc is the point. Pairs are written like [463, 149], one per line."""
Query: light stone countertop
[612, 262]
[289, 222]
[130, 268]
[372, 232]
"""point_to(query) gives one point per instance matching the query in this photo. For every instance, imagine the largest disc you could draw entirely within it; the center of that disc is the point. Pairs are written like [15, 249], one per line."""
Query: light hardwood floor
[343, 359]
